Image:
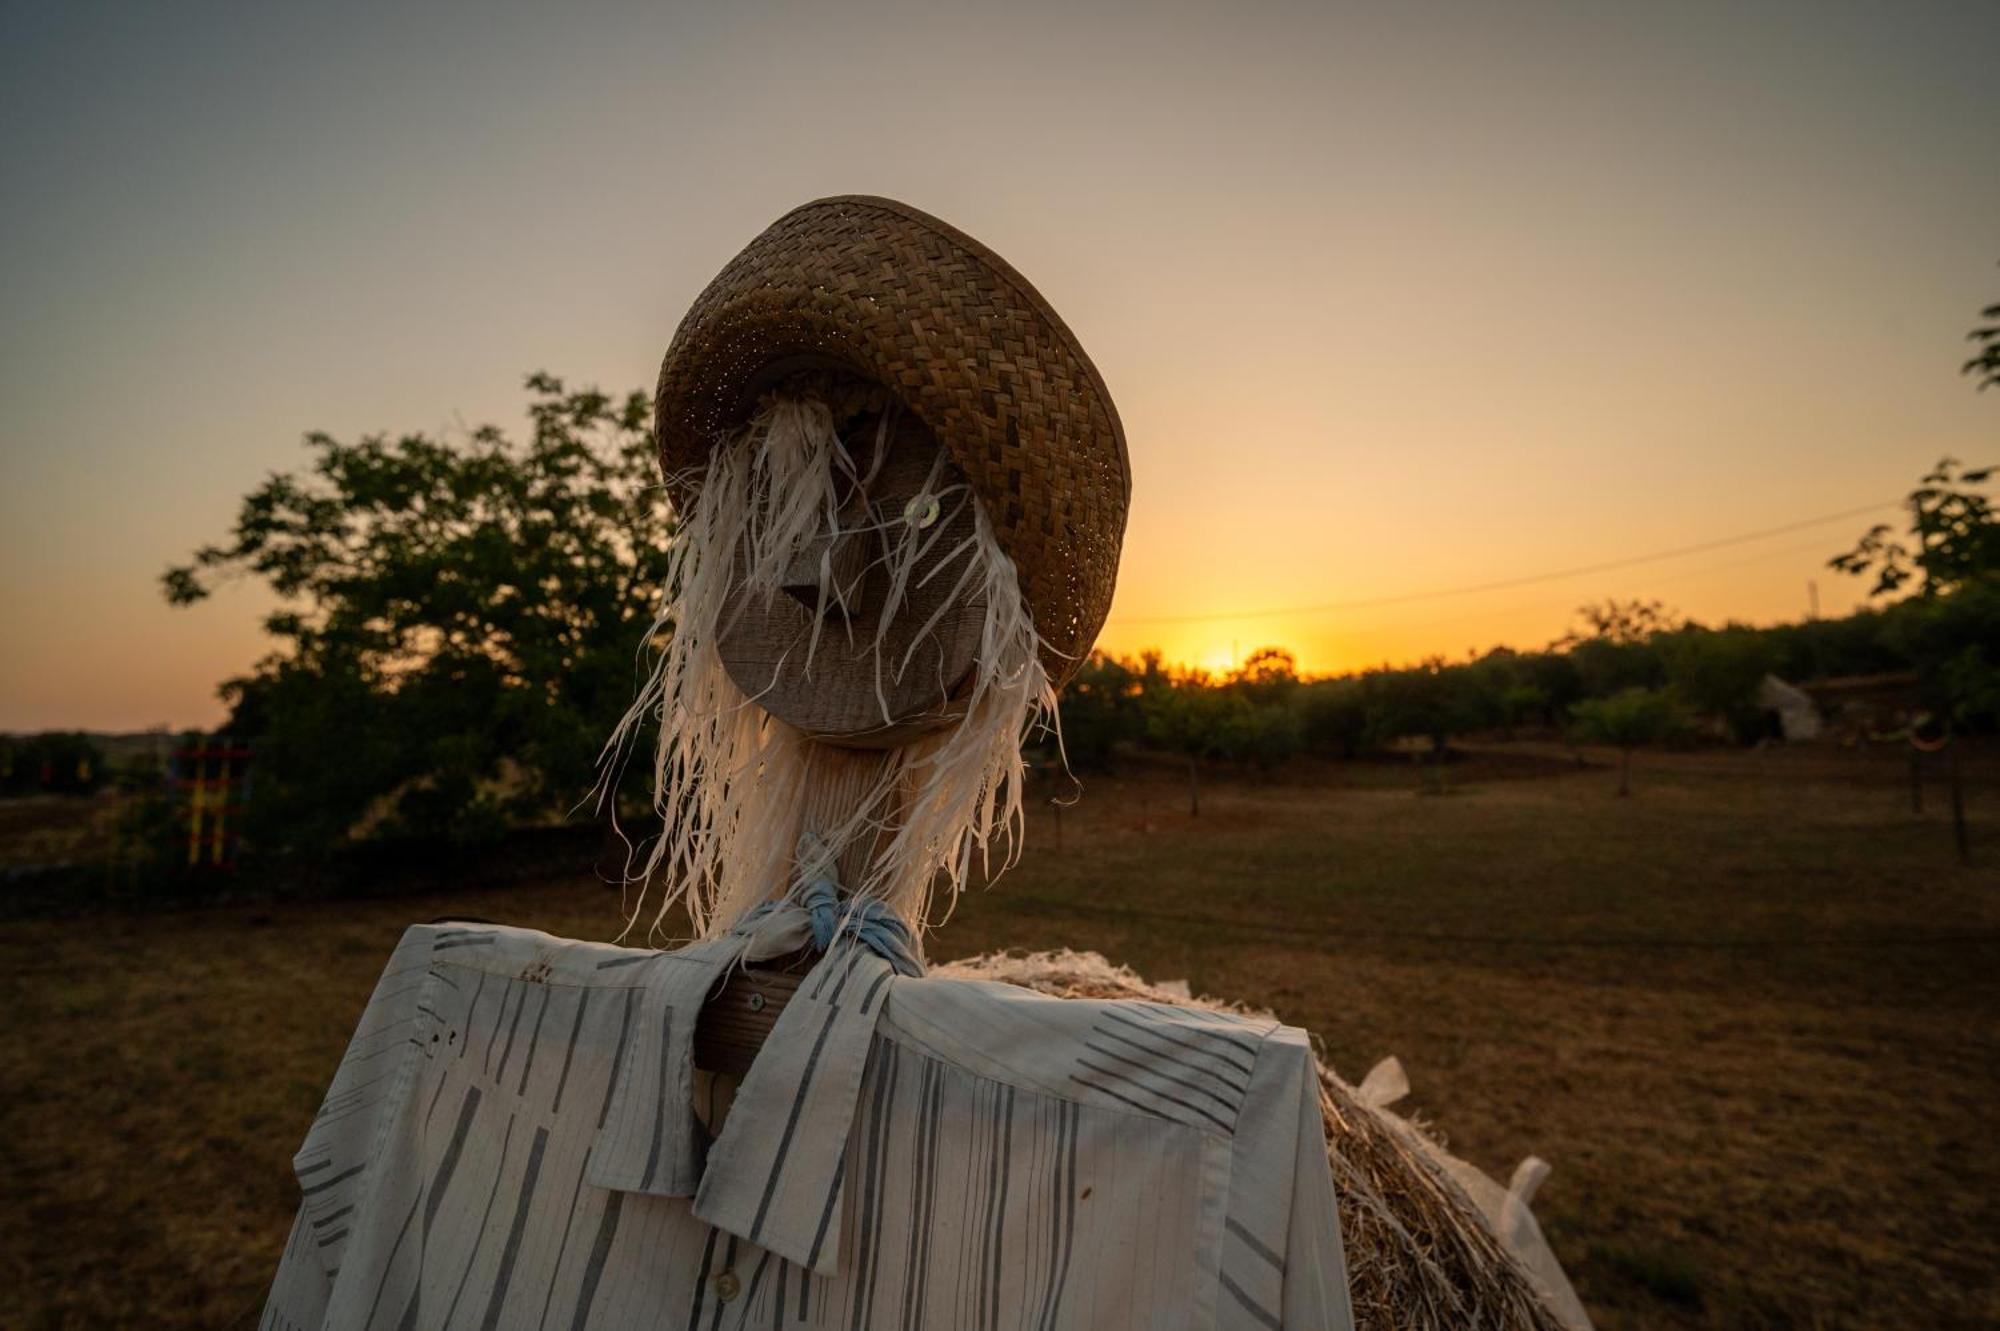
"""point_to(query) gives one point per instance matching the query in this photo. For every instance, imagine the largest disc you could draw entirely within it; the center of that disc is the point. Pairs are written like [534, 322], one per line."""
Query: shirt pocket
[649, 1140]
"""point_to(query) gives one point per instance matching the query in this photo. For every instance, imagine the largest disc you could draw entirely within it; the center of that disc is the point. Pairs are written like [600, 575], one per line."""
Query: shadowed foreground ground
[1749, 1014]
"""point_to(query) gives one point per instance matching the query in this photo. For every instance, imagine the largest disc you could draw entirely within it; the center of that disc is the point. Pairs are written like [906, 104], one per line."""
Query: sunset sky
[1394, 301]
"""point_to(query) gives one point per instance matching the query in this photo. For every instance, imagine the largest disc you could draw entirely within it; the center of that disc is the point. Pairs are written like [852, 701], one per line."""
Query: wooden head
[872, 633]
[847, 657]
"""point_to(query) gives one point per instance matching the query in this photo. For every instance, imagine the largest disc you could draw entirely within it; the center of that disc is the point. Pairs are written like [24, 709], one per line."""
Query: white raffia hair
[730, 780]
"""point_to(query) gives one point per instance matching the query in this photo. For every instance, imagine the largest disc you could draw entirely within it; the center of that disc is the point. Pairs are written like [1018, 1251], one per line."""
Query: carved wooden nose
[844, 556]
[807, 595]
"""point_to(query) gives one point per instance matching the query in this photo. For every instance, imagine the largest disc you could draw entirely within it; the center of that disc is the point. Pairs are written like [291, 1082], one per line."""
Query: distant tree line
[1632, 674]
[461, 623]
[55, 762]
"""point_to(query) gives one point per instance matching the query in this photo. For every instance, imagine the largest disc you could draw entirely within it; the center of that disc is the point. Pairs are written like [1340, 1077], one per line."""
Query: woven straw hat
[877, 287]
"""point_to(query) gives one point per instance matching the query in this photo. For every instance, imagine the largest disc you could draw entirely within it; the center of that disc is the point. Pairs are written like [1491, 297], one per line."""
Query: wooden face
[887, 664]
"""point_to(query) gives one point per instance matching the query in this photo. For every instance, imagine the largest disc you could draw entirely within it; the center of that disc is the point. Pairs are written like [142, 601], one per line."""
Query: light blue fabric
[866, 920]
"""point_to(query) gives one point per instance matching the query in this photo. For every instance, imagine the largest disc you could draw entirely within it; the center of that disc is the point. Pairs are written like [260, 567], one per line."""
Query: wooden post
[739, 1015]
[112, 861]
[837, 781]
[197, 786]
[1958, 828]
[221, 807]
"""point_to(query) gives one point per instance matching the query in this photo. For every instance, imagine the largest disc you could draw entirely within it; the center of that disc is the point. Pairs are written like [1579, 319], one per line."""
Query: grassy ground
[52, 829]
[1749, 1014]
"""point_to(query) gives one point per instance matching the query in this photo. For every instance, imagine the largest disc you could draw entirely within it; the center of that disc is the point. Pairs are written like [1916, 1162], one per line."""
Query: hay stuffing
[1423, 1251]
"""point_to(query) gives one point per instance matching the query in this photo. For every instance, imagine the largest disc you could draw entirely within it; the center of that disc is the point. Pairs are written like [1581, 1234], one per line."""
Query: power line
[1513, 610]
[1506, 584]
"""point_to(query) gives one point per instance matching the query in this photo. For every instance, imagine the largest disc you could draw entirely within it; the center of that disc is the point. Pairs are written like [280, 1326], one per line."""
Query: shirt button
[727, 1286]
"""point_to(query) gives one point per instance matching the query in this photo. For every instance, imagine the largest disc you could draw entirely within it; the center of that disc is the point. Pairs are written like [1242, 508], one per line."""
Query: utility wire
[1506, 584]
[1514, 610]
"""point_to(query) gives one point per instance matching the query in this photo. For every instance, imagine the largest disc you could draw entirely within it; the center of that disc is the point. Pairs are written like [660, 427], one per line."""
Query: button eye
[922, 511]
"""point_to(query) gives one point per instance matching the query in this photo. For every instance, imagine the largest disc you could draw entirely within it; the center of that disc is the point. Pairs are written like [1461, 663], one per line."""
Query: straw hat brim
[965, 342]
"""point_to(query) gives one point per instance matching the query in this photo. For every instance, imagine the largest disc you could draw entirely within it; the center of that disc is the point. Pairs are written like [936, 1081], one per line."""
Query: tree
[1856, 644]
[1434, 701]
[1556, 677]
[1953, 642]
[1504, 685]
[1190, 717]
[1333, 717]
[1517, 703]
[1269, 732]
[1628, 719]
[1100, 709]
[1984, 367]
[1267, 675]
[1266, 736]
[1621, 622]
[1952, 529]
[1718, 672]
[460, 622]
[1954, 546]
[1614, 649]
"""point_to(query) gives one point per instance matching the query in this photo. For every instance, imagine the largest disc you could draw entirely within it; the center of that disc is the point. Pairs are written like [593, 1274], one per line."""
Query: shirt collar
[774, 1175]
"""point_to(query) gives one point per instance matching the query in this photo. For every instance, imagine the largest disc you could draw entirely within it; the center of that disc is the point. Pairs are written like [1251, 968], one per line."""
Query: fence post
[1958, 829]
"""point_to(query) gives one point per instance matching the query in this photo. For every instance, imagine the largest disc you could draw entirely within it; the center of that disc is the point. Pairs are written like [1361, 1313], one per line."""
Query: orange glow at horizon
[1762, 581]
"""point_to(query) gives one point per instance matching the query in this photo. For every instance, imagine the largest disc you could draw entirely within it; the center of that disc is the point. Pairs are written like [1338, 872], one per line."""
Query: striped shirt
[517, 1138]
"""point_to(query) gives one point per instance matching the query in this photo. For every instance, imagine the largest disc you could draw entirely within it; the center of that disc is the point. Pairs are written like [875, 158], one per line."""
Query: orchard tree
[1627, 720]
[1188, 715]
[1268, 675]
[1270, 733]
[1719, 672]
[1614, 648]
[1100, 709]
[1334, 717]
[460, 622]
[1623, 623]
[1433, 701]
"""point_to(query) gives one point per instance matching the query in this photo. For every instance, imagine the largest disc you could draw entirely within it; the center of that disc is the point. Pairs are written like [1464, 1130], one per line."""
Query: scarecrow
[902, 488]
[903, 491]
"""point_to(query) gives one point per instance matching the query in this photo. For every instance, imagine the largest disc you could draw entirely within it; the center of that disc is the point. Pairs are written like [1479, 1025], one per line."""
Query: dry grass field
[1749, 1014]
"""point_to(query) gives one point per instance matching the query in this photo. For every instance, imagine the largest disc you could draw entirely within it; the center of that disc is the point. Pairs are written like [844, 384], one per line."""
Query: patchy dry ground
[1749, 1014]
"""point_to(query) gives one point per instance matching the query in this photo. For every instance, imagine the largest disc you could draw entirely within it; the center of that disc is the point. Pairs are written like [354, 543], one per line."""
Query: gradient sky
[1392, 300]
